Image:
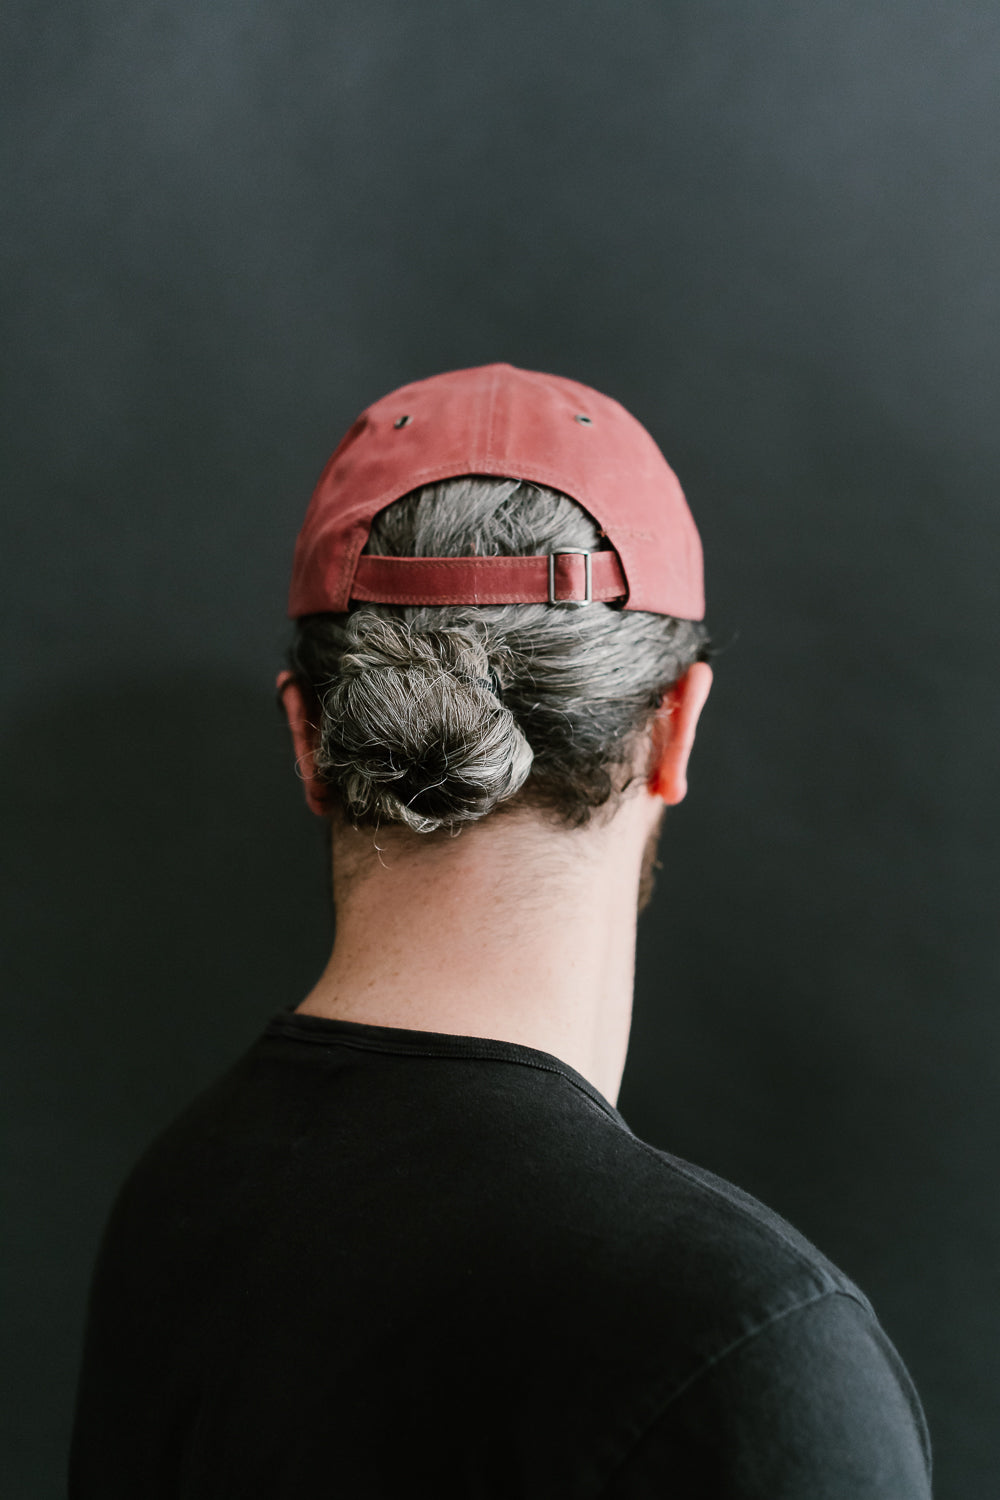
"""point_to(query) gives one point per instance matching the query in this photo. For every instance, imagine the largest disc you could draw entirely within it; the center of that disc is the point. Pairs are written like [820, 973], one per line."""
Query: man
[407, 1244]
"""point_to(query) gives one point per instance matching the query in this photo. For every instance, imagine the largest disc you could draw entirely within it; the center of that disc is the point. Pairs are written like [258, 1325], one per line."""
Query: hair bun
[414, 730]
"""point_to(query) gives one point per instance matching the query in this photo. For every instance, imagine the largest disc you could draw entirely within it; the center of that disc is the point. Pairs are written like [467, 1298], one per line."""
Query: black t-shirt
[373, 1262]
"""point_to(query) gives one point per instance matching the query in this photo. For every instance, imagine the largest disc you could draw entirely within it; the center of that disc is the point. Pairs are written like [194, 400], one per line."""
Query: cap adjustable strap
[572, 577]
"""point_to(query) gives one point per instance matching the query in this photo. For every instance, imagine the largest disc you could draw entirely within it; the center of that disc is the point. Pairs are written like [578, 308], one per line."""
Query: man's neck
[511, 930]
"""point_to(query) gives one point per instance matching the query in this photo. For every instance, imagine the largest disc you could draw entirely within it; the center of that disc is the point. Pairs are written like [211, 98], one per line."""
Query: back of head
[433, 716]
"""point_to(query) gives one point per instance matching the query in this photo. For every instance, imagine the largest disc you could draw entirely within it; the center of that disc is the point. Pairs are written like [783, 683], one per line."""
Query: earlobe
[303, 733]
[673, 732]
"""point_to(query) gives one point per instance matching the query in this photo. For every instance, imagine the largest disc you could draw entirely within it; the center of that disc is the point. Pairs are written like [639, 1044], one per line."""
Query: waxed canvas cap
[509, 423]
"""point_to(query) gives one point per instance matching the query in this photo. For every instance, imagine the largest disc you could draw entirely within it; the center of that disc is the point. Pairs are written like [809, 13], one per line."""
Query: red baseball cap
[514, 424]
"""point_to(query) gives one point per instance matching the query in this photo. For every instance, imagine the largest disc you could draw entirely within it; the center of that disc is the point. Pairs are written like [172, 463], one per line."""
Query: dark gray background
[770, 230]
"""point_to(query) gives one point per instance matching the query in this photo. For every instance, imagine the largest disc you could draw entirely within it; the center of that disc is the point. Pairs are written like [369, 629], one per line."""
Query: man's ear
[304, 733]
[673, 732]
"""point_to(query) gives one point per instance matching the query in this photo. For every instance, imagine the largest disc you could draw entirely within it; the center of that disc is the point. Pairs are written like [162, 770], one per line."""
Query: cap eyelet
[402, 422]
[585, 421]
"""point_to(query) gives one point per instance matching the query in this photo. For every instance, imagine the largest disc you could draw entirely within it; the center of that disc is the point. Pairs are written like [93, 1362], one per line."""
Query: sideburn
[650, 864]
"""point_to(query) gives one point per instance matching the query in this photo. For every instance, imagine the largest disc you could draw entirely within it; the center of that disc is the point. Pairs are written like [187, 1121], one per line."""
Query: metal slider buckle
[587, 586]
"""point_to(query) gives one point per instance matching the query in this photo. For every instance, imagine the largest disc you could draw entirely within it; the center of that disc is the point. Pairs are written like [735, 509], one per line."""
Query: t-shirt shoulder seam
[752, 1333]
[802, 1305]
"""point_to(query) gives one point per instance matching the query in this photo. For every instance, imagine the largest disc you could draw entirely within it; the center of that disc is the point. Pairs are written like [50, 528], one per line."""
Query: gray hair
[433, 716]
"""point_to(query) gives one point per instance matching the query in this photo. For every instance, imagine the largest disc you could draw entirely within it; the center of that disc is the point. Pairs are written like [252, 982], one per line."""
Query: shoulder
[813, 1405]
[764, 1367]
[735, 1235]
[687, 1236]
